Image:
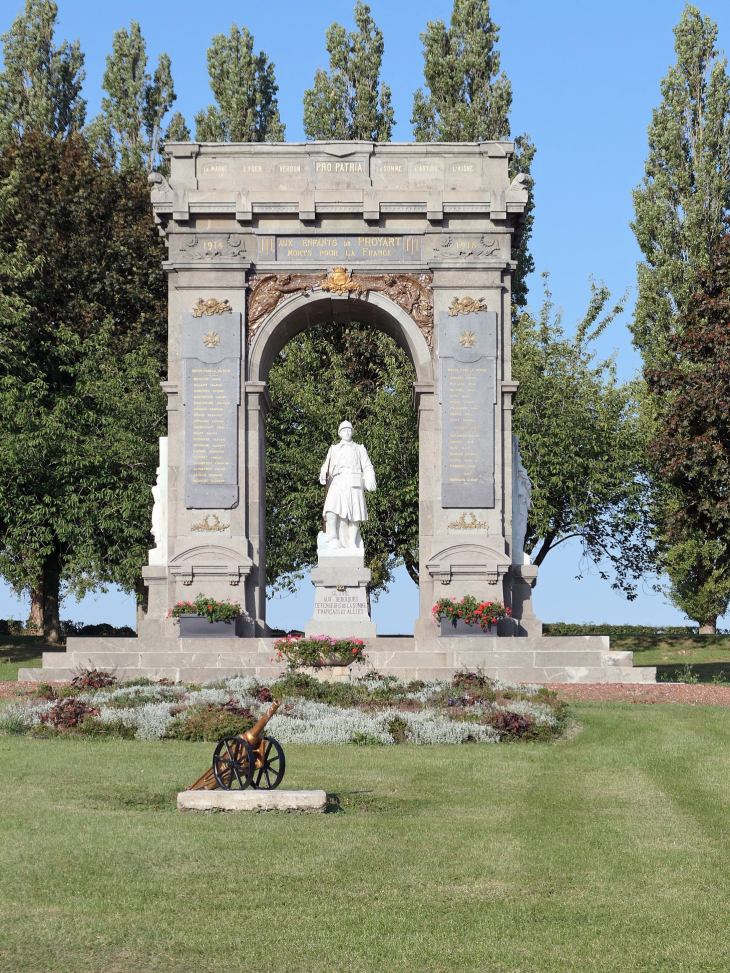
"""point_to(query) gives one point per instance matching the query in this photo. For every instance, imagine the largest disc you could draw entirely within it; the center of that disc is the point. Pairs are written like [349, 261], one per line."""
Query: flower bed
[372, 710]
[318, 650]
[214, 611]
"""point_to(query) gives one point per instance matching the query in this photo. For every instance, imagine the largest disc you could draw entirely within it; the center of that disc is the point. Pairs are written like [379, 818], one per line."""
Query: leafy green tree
[129, 128]
[682, 210]
[82, 350]
[245, 89]
[581, 439]
[324, 375]
[699, 580]
[683, 205]
[350, 102]
[40, 84]
[690, 448]
[469, 99]
[177, 131]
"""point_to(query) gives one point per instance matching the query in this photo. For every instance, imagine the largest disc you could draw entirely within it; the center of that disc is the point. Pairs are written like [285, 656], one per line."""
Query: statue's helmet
[345, 425]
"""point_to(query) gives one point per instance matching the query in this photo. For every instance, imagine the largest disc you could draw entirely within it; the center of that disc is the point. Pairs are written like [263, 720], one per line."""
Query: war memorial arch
[265, 240]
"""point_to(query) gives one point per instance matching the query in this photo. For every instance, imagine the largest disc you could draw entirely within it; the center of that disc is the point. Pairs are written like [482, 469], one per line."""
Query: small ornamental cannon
[249, 760]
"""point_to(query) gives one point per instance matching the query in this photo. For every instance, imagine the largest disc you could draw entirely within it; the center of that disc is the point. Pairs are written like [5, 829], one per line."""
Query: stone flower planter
[334, 660]
[470, 630]
[198, 627]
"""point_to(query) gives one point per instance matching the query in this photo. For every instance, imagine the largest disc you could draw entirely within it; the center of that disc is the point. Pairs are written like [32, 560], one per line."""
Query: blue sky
[585, 77]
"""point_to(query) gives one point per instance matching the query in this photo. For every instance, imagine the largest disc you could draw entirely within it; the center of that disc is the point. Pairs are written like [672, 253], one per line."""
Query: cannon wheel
[271, 774]
[233, 764]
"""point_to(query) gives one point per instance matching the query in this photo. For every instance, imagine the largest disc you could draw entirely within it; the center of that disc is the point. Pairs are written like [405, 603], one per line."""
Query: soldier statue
[347, 472]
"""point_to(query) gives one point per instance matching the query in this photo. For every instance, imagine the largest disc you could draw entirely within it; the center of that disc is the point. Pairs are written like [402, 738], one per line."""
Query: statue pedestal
[341, 600]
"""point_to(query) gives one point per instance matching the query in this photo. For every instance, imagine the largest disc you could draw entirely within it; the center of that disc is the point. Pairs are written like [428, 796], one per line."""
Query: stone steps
[586, 674]
[532, 659]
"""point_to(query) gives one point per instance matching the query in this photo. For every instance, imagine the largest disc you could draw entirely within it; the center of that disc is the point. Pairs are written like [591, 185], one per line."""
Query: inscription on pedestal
[468, 382]
[211, 394]
[348, 604]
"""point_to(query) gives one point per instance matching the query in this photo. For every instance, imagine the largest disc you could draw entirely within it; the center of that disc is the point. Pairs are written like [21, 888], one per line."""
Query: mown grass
[708, 655]
[21, 651]
[606, 852]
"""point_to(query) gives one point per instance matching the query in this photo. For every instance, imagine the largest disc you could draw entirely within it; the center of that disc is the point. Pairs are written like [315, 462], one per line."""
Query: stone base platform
[568, 659]
[311, 802]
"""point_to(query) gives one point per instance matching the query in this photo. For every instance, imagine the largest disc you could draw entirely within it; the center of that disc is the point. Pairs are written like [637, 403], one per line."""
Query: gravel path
[662, 692]
[10, 689]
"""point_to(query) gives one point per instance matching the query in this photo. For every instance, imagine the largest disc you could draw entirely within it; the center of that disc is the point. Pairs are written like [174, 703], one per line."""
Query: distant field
[708, 655]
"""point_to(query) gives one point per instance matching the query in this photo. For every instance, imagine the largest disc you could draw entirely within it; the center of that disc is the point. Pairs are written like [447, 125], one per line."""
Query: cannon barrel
[252, 737]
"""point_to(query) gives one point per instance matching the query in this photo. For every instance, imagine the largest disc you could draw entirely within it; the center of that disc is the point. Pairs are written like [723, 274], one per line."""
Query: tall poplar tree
[128, 129]
[468, 99]
[244, 86]
[350, 102]
[40, 84]
[682, 210]
[683, 204]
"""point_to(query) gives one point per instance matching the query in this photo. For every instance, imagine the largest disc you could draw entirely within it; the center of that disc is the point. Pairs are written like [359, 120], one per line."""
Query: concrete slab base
[583, 658]
[311, 802]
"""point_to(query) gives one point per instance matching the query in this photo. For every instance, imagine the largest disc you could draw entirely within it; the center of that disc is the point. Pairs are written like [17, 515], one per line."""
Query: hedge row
[568, 628]
[11, 626]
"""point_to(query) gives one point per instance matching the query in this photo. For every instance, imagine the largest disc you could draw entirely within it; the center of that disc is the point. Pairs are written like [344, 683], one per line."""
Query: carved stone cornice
[411, 292]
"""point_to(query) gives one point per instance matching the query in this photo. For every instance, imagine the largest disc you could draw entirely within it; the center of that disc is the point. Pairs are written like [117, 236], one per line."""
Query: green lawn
[607, 852]
[708, 655]
[20, 651]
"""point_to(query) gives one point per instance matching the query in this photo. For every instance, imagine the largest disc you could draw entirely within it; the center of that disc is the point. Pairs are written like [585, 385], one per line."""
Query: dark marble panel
[468, 392]
[211, 338]
[211, 393]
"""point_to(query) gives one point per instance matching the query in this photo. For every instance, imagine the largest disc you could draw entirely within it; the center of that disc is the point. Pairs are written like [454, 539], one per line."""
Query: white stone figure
[521, 500]
[158, 555]
[347, 472]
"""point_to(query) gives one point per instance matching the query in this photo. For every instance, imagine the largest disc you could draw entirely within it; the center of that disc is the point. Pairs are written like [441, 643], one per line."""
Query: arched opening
[326, 358]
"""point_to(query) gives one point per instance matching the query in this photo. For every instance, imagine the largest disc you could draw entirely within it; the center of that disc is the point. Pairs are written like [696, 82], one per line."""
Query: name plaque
[211, 395]
[468, 392]
[329, 250]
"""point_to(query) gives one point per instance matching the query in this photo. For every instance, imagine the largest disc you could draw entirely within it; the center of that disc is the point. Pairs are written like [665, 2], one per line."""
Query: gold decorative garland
[210, 307]
[467, 305]
[205, 524]
[474, 524]
[411, 292]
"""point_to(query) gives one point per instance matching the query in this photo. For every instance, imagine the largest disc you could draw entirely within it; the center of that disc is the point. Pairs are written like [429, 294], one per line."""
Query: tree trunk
[709, 626]
[142, 592]
[412, 568]
[35, 622]
[544, 548]
[51, 597]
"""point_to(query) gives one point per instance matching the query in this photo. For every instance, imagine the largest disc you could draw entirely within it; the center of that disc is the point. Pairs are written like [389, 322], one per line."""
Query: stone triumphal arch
[264, 240]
